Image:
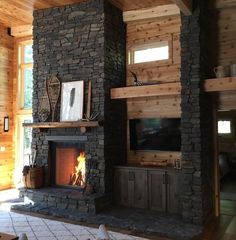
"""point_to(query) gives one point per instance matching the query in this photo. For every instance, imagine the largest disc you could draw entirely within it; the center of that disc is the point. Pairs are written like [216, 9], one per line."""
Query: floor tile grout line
[12, 222]
[69, 231]
[49, 227]
[31, 227]
[73, 233]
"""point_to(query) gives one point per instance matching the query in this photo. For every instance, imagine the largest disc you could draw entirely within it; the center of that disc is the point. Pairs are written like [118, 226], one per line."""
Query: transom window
[149, 52]
[25, 89]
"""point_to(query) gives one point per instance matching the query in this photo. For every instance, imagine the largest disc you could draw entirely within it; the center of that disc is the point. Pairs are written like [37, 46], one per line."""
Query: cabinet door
[130, 188]
[138, 188]
[157, 190]
[174, 193]
[121, 191]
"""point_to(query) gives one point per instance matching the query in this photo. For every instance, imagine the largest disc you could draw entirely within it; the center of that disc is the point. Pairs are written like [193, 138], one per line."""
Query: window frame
[151, 44]
[20, 71]
[21, 113]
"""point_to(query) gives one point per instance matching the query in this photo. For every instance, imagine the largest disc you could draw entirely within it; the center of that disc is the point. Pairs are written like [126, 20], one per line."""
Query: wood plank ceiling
[19, 12]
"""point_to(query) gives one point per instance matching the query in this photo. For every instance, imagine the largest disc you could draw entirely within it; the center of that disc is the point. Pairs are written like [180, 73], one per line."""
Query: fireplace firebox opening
[68, 165]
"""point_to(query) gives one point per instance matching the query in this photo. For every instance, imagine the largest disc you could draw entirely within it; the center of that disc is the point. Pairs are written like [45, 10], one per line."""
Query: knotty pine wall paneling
[225, 36]
[6, 102]
[145, 32]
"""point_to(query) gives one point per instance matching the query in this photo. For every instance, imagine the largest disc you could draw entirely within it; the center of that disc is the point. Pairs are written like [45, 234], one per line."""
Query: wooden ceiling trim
[128, 5]
[155, 12]
[224, 3]
[19, 12]
[185, 6]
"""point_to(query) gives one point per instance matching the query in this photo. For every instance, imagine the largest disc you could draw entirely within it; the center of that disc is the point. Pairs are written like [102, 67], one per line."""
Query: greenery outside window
[25, 89]
[24, 106]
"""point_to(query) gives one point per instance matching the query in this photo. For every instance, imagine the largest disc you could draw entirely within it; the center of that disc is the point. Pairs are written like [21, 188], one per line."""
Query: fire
[78, 176]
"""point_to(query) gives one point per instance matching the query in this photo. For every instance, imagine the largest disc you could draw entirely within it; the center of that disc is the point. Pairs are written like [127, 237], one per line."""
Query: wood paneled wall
[6, 102]
[225, 36]
[145, 32]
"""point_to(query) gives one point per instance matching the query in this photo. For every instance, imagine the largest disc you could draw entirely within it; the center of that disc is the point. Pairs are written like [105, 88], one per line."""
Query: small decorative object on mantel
[222, 71]
[140, 83]
[53, 89]
[136, 82]
[72, 101]
[44, 107]
[33, 174]
[88, 116]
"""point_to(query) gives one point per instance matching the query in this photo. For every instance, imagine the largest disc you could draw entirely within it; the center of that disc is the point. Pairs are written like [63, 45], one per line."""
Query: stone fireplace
[80, 42]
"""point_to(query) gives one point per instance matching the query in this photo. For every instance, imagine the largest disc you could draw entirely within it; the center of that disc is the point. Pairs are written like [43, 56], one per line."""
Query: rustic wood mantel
[165, 89]
[83, 125]
[146, 90]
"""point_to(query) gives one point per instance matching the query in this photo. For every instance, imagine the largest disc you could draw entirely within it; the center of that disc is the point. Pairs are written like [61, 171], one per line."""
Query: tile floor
[41, 228]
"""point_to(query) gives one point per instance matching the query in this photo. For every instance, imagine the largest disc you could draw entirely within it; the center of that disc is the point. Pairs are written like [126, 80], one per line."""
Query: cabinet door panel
[174, 193]
[157, 191]
[140, 189]
[121, 189]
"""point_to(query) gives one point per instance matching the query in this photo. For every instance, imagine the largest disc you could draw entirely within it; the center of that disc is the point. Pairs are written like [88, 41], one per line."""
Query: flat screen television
[161, 134]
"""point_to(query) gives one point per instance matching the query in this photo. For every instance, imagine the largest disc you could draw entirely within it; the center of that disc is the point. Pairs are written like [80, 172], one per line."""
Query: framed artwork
[72, 101]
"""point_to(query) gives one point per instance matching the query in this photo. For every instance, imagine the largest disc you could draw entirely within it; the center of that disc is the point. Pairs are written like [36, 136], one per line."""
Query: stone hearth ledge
[138, 222]
[65, 199]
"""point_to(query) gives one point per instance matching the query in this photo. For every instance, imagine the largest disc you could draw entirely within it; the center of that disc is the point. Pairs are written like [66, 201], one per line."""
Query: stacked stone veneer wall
[197, 120]
[84, 41]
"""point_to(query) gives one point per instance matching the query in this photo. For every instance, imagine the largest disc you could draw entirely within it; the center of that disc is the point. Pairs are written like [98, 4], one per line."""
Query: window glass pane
[27, 139]
[28, 88]
[28, 54]
[224, 127]
[151, 54]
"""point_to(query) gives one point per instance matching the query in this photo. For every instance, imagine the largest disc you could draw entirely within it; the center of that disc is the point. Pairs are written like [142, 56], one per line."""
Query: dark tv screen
[161, 134]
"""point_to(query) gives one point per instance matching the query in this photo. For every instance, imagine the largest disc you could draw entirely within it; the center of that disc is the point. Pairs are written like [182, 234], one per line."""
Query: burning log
[77, 178]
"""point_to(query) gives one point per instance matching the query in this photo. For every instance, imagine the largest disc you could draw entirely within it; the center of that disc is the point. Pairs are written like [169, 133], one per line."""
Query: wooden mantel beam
[154, 12]
[185, 6]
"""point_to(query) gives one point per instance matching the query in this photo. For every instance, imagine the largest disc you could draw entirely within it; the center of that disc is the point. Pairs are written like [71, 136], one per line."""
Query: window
[224, 127]
[24, 106]
[149, 52]
[25, 89]
[27, 140]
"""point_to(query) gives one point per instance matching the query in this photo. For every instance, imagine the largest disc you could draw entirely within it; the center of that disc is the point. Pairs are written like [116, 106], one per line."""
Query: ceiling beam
[21, 31]
[185, 6]
[154, 12]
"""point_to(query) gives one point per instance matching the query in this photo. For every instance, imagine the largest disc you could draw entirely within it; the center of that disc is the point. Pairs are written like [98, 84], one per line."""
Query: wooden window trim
[20, 43]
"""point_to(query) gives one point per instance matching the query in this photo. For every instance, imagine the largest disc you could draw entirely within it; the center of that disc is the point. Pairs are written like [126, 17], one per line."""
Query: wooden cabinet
[174, 183]
[153, 189]
[131, 188]
[157, 190]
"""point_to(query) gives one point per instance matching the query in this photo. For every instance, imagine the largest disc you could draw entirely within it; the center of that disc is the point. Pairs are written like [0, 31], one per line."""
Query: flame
[78, 176]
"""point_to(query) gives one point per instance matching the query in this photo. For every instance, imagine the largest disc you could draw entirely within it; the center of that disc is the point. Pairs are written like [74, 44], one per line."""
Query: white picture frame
[72, 101]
